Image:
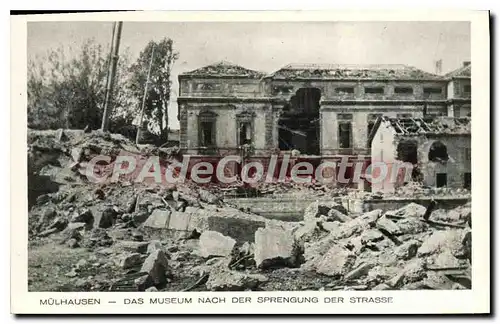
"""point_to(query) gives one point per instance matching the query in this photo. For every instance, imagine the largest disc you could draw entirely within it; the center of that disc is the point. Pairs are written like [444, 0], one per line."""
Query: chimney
[466, 63]
[439, 66]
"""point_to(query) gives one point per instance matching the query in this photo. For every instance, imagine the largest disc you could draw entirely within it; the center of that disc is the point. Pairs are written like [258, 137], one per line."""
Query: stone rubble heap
[149, 238]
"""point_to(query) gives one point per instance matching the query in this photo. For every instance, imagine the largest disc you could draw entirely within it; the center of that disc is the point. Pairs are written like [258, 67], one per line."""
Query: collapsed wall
[149, 237]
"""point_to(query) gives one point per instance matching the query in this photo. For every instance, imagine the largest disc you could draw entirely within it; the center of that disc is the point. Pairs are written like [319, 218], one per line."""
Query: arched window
[245, 124]
[438, 152]
[206, 128]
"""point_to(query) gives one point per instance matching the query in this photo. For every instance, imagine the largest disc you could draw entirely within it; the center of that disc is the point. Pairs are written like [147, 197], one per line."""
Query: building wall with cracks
[356, 102]
[458, 166]
[430, 169]
[226, 118]
[460, 91]
[362, 119]
[224, 106]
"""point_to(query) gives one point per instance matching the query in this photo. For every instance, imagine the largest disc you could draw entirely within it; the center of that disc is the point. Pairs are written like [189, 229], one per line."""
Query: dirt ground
[49, 265]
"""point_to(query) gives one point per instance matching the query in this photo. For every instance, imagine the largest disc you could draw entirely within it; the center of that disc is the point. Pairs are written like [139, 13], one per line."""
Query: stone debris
[318, 209]
[208, 197]
[57, 225]
[458, 215]
[47, 216]
[227, 280]
[371, 235]
[414, 271]
[136, 236]
[314, 251]
[412, 225]
[445, 259]
[184, 238]
[180, 221]
[73, 243]
[439, 241]
[382, 286]
[410, 210]
[437, 281]
[225, 220]
[105, 218]
[156, 266]
[83, 216]
[153, 246]
[247, 249]
[361, 270]
[215, 244]
[338, 261]
[275, 247]
[335, 215]
[130, 205]
[143, 282]
[76, 226]
[407, 250]
[132, 246]
[99, 237]
[327, 226]
[311, 231]
[353, 227]
[388, 226]
[158, 219]
[128, 261]
[230, 222]
[385, 252]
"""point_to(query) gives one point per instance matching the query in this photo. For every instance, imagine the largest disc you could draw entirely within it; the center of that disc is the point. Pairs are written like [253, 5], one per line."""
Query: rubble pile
[317, 190]
[225, 69]
[334, 71]
[398, 249]
[287, 187]
[416, 190]
[136, 237]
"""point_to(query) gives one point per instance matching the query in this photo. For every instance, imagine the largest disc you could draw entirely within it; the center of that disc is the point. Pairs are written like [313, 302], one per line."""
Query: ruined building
[325, 112]
[459, 91]
[438, 149]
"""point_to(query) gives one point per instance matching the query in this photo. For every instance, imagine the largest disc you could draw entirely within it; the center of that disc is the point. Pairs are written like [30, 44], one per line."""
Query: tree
[158, 94]
[69, 92]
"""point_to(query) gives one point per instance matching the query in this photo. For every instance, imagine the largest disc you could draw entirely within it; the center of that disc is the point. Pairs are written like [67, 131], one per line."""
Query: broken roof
[463, 72]
[425, 125]
[357, 72]
[224, 69]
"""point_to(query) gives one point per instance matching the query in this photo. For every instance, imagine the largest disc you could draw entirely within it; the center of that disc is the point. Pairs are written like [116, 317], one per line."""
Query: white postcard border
[476, 300]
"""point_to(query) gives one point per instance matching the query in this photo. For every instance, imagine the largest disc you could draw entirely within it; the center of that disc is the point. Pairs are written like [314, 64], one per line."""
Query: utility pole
[109, 61]
[115, 47]
[139, 127]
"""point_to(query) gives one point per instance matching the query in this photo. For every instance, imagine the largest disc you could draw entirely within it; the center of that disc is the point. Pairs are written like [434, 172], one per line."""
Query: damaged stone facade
[318, 110]
[438, 149]
[459, 91]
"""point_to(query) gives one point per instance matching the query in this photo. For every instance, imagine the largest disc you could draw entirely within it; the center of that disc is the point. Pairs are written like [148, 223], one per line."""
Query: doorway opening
[299, 123]
[407, 152]
[441, 180]
[467, 180]
[245, 133]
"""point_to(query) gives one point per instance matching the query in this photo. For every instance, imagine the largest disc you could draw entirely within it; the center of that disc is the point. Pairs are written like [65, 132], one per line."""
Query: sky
[268, 46]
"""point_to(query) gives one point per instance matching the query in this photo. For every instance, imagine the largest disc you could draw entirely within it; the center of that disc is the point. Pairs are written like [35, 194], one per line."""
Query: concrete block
[275, 247]
[179, 221]
[338, 261]
[158, 219]
[215, 244]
